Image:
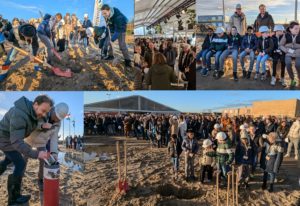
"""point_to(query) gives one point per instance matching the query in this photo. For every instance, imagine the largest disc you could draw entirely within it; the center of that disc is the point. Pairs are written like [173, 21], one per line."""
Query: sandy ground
[71, 191]
[151, 184]
[89, 73]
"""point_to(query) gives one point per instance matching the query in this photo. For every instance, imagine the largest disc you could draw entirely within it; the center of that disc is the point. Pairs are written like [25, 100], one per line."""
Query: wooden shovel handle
[125, 156]
[118, 159]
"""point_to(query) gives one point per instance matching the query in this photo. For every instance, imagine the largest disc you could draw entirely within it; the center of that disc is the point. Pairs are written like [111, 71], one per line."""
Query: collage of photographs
[149, 103]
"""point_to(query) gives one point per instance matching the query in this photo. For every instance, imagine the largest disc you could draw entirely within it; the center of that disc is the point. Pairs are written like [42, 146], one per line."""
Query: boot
[110, 57]
[271, 189]
[264, 185]
[127, 63]
[235, 77]
[244, 73]
[248, 75]
[2, 169]
[14, 191]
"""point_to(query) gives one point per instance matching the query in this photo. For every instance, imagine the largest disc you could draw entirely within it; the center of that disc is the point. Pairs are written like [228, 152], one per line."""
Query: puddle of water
[71, 161]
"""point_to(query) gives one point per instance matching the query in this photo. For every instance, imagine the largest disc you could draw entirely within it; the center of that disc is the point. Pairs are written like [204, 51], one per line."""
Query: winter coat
[117, 23]
[249, 41]
[265, 45]
[15, 37]
[294, 132]
[207, 41]
[219, 43]
[44, 27]
[282, 132]
[17, 124]
[149, 56]
[208, 157]
[185, 59]
[225, 153]
[244, 154]
[288, 42]
[174, 148]
[160, 77]
[267, 20]
[276, 42]
[269, 128]
[190, 145]
[235, 41]
[182, 129]
[275, 152]
[170, 54]
[173, 126]
[239, 21]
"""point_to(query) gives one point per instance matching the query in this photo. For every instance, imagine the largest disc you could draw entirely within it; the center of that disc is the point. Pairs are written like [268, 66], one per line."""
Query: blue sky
[27, 9]
[199, 101]
[73, 99]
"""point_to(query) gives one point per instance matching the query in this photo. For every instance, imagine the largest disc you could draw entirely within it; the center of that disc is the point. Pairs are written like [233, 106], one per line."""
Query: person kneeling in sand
[47, 132]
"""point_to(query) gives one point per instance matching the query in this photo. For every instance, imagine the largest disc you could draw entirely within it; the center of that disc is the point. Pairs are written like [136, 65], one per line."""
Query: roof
[133, 103]
[152, 12]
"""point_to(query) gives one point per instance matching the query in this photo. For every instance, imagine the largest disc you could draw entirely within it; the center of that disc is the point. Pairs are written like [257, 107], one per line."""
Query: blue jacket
[87, 23]
[246, 44]
[44, 26]
[117, 23]
[190, 145]
[235, 41]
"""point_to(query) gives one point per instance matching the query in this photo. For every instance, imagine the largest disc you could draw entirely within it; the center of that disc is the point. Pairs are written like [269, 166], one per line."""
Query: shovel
[122, 186]
[57, 71]
[125, 182]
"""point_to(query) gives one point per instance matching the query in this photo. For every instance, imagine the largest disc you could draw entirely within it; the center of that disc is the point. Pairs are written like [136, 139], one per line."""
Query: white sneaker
[296, 158]
[287, 155]
[263, 77]
[273, 81]
[256, 76]
[282, 82]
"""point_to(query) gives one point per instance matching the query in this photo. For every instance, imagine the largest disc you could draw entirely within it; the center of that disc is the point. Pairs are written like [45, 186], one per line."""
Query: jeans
[225, 54]
[217, 59]
[202, 54]
[252, 57]
[272, 176]
[175, 162]
[224, 169]
[189, 165]
[122, 46]
[18, 160]
[295, 143]
[11, 56]
[288, 62]
[47, 42]
[261, 60]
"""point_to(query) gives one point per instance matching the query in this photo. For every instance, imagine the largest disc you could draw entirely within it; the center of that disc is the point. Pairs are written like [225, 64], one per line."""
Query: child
[205, 48]
[244, 156]
[174, 150]
[218, 45]
[278, 55]
[248, 47]
[60, 32]
[207, 161]
[234, 43]
[264, 47]
[274, 154]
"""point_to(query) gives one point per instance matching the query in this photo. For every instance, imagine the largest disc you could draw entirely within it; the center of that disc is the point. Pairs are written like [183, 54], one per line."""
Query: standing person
[282, 132]
[76, 25]
[182, 128]
[258, 144]
[248, 47]
[278, 55]
[117, 24]
[263, 19]
[170, 54]
[158, 132]
[47, 131]
[218, 45]
[273, 158]
[160, 75]
[234, 43]
[17, 124]
[238, 20]
[85, 25]
[190, 72]
[60, 32]
[185, 57]
[174, 150]
[294, 139]
[265, 47]
[190, 147]
[290, 45]
[68, 29]
[207, 161]
[205, 49]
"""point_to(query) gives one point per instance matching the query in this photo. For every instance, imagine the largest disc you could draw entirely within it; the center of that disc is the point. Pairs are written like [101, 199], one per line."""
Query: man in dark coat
[17, 124]
[263, 19]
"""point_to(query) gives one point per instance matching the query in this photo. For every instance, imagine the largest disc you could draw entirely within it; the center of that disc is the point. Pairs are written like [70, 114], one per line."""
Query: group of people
[58, 32]
[74, 142]
[29, 130]
[160, 62]
[261, 41]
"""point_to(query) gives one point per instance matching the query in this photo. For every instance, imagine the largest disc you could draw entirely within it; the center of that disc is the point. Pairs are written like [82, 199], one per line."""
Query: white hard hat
[206, 143]
[263, 29]
[242, 127]
[220, 30]
[90, 32]
[221, 136]
[174, 117]
[279, 28]
[85, 15]
[61, 110]
[217, 126]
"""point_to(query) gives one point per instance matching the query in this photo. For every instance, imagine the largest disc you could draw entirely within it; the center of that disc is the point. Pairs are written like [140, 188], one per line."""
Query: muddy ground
[89, 72]
[151, 184]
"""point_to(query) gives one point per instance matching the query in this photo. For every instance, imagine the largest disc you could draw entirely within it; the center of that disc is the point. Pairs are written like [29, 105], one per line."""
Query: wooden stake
[233, 202]
[125, 156]
[237, 189]
[218, 188]
[118, 161]
[228, 186]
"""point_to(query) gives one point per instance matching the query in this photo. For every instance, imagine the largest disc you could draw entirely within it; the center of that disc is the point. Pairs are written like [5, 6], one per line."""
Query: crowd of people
[160, 62]
[74, 142]
[243, 141]
[262, 41]
[58, 32]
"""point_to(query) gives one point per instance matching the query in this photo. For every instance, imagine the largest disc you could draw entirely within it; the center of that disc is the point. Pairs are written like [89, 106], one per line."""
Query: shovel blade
[58, 72]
